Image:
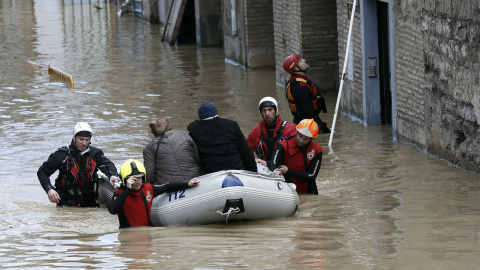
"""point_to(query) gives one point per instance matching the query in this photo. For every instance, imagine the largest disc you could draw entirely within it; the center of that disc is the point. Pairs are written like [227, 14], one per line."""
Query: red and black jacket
[77, 174]
[262, 144]
[133, 207]
[303, 164]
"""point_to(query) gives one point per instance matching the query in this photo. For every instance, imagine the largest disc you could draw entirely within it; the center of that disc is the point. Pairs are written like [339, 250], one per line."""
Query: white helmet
[82, 126]
[268, 102]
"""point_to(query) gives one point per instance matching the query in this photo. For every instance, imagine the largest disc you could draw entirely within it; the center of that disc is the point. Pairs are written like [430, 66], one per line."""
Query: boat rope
[234, 210]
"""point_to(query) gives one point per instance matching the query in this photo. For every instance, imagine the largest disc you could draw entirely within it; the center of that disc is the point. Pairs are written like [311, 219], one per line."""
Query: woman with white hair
[171, 156]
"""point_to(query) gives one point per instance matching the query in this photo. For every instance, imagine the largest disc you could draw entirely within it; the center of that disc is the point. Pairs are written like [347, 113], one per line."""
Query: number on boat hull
[176, 195]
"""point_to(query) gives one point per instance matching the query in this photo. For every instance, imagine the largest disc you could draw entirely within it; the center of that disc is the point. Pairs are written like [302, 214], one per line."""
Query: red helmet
[291, 62]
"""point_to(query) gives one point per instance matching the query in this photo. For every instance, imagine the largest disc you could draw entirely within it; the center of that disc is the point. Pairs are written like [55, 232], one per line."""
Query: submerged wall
[437, 76]
[451, 35]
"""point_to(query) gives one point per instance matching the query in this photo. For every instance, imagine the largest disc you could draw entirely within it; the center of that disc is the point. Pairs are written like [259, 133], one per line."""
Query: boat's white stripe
[224, 192]
[243, 173]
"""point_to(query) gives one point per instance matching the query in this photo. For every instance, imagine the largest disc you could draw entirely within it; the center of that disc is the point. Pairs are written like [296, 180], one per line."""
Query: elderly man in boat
[220, 142]
[298, 158]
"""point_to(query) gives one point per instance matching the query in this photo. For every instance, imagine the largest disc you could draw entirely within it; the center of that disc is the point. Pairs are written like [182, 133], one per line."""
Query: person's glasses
[138, 176]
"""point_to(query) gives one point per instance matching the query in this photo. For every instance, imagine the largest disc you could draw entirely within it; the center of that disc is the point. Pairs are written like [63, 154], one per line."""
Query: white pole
[343, 72]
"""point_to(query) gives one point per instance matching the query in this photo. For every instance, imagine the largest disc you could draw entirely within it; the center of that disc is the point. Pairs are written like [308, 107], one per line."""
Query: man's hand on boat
[261, 162]
[194, 182]
[282, 169]
[115, 181]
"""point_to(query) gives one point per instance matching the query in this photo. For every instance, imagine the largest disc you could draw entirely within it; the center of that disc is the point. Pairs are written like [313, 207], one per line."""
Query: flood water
[382, 204]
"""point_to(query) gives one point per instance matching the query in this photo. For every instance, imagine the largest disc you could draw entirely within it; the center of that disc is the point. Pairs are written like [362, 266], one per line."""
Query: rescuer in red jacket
[299, 159]
[133, 201]
[272, 129]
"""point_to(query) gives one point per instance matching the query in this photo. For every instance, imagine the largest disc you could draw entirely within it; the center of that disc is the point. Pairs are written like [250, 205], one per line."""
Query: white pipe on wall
[343, 73]
[233, 12]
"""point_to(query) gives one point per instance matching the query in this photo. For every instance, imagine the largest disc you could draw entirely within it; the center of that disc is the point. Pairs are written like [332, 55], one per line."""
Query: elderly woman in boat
[171, 156]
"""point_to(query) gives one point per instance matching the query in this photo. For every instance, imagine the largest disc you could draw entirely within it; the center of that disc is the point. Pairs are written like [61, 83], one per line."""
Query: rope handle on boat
[234, 210]
[105, 177]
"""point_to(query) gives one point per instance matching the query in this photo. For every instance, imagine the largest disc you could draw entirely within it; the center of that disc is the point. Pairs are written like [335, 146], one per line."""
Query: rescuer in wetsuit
[77, 165]
[133, 201]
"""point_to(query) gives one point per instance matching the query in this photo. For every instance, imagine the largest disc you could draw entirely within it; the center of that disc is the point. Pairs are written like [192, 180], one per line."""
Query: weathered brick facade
[352, 98]
[308, 28]
[259, 33]
[437, 75]
[288, 34]
[253, 45]
[411, 79]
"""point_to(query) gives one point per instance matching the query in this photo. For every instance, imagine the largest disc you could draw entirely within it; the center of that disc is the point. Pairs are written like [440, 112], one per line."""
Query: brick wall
[287, 33]
[352, 97]
[410, 75]
[308, 28]
[259, 33]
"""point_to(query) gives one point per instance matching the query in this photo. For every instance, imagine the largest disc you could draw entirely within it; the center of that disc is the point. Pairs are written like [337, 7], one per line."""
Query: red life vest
[318, 100]
[298, 160]
[138, 205]
[71, 172]
[262, 145]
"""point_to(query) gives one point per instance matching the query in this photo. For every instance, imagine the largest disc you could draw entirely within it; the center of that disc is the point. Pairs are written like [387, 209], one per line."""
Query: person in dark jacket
[220, 142]
[304, 98]
[299, 159]
[133, 201]
[271, 130]
[171, 156]
[77, 165]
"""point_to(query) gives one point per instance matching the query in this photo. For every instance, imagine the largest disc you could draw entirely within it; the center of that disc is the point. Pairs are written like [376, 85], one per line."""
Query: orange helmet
[291, 62]
[308, 127]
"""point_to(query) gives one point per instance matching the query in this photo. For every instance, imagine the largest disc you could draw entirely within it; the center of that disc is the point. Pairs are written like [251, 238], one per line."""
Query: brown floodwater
[382, 204]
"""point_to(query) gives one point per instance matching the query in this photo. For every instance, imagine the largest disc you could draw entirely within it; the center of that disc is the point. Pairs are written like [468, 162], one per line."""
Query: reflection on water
[382, 204]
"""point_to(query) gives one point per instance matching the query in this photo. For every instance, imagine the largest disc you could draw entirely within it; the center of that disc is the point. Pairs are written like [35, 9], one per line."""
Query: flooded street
[382, 204]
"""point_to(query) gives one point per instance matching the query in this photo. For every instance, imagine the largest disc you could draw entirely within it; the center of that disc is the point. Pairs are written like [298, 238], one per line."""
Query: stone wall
[437, 68]
[308, 28]
[451, 36]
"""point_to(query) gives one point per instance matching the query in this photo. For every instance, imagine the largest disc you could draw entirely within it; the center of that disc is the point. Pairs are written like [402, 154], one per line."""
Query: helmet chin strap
[299, 70]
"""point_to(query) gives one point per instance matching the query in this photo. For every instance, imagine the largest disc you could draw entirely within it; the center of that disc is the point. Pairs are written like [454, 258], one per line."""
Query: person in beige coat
[171, 156]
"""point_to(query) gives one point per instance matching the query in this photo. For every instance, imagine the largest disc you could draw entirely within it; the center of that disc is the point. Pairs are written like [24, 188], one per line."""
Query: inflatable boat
[226, 195]
[220, 196]
[105, 190]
